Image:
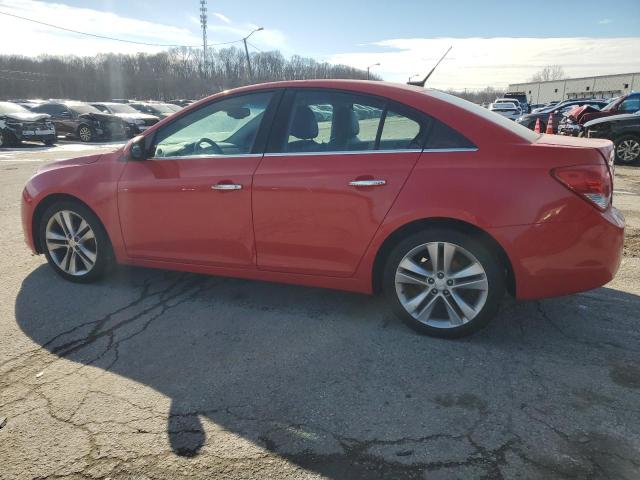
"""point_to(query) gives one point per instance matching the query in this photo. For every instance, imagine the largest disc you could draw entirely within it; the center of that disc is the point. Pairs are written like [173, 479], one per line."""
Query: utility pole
[246, 51]
[203, 23]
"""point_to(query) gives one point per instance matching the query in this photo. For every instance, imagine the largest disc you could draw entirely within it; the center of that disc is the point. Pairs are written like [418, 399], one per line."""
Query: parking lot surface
[162, 375]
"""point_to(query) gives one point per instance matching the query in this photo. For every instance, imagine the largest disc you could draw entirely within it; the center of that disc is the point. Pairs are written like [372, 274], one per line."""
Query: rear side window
[400, 132]
[328, 121]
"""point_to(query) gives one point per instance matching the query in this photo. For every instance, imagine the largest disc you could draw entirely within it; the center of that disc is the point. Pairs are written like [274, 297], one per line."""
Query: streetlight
[374, 65]
[246, 50]
[414, 75]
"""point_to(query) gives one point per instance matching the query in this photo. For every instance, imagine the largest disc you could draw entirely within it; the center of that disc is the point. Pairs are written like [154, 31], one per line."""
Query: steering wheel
[216, 149]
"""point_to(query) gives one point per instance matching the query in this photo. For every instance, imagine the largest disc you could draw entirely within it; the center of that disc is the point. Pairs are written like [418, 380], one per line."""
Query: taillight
[591, 182]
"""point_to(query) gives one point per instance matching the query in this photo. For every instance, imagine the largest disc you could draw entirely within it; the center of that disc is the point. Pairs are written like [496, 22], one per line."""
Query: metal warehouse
[605, 86]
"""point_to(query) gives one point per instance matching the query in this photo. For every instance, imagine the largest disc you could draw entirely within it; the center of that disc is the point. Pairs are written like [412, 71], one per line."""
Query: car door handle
[226, 186]
[367, 183]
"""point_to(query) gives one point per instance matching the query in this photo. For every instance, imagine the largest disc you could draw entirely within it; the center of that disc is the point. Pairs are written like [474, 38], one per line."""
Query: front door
[190, 201]
[338, 160]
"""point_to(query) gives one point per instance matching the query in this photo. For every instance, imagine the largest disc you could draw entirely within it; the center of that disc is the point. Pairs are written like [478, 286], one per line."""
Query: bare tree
[175, 73]
[550, 72]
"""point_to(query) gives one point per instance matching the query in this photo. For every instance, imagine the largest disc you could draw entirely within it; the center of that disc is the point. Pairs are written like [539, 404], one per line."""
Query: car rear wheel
[627, 149]
[74, 241]
[85, 134]
[443, 283]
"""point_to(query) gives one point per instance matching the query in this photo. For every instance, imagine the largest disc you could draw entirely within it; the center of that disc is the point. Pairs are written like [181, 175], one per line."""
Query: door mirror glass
[137, 150]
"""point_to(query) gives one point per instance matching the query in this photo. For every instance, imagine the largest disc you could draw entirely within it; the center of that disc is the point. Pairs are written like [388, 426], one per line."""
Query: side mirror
[137, 150]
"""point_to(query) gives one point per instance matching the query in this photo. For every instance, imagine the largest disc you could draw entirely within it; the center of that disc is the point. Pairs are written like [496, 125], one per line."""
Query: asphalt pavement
[153, 374]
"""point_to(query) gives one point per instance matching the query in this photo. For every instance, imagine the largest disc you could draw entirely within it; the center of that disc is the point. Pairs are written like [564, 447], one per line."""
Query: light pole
[246, 51]
[369, 67]
[203, 24]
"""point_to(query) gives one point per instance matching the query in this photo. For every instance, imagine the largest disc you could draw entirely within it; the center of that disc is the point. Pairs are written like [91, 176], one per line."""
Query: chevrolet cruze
[361, 186]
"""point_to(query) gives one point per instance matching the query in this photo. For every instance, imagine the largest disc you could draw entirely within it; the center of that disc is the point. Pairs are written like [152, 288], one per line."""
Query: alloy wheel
[628, 150]
[71, 243]
[441, 284]
[85, 134]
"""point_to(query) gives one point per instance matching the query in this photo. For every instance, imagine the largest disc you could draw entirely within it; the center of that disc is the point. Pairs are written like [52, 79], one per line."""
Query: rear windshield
[513, 127]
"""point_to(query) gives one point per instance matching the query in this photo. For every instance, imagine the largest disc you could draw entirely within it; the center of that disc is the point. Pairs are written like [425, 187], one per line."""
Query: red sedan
[361, 186]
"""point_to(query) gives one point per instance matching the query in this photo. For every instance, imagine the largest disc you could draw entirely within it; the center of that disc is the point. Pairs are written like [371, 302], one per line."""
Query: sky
[494, 42]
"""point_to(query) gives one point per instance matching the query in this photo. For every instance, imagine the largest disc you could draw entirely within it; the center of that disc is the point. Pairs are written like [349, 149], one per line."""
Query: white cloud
[481, 62]
[605, 21]
[32, 39]
[222, 17]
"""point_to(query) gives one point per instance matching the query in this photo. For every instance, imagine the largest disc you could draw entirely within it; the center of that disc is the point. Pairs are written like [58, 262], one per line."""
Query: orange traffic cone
[550, 124]
[537, 128]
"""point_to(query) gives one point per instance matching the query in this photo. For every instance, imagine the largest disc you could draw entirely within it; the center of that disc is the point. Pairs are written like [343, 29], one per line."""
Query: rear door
[335, 163]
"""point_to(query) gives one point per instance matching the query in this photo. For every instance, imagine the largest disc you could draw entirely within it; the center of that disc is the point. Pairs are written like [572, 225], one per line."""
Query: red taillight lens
[591, 182]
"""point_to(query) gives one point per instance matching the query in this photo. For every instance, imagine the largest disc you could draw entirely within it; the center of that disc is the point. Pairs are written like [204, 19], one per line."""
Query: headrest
[304, 125]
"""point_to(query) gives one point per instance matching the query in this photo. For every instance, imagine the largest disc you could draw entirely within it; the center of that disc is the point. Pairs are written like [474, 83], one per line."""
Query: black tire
[7, 139]
[85, 133]
[491, 263]
[634, 142]
[103, 250]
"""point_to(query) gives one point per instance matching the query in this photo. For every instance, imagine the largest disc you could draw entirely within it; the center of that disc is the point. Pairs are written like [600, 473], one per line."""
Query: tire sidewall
[103, 245]
[621, 139]
[491, 263]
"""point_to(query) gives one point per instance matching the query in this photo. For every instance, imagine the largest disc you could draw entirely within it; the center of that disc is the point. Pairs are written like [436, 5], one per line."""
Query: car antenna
[420, 83]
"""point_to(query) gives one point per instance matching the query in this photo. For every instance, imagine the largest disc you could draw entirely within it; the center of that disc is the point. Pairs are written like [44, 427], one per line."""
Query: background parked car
[17, 124]
[83, 121]
[623, 130]
[137, 121]
[577, 118]
[521, 97]
[558, 110]
[506, 109]
[162, 110]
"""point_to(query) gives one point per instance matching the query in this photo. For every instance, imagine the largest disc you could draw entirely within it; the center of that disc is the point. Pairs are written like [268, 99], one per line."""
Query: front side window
[225, 127]
[326, 121]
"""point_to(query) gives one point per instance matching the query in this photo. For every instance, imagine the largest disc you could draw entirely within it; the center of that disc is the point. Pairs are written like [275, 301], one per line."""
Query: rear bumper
[552, 259]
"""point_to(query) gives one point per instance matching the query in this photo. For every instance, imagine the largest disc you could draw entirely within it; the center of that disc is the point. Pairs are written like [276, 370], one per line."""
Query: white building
[605, 86]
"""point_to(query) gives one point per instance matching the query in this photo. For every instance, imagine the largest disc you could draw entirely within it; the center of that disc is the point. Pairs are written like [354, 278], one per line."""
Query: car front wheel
[444, 283]
[74, 241]
[85, 133]
[627, 149]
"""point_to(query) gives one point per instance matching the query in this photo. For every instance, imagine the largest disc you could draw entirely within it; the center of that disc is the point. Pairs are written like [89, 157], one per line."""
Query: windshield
[8, 107]
[82, 107]
[497, 119]
[121, 108]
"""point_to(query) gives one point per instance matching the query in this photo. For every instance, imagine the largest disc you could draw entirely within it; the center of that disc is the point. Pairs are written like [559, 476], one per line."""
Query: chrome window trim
[213, 156]
[308, 154]
[363, 152]
[450, 150]
[339, 152]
